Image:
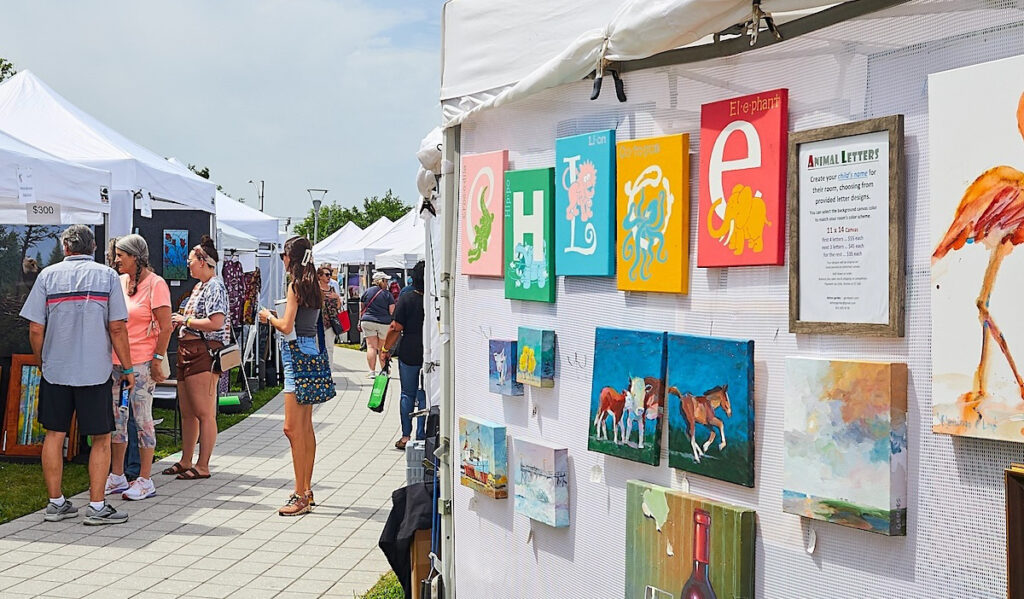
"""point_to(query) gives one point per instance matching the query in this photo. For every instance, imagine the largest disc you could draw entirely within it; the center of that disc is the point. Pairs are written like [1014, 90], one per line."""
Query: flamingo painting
[990, 214]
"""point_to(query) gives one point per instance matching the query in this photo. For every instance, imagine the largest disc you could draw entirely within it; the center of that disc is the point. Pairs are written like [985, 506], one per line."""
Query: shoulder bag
[365, 308]
[223, 358]
[314, 382]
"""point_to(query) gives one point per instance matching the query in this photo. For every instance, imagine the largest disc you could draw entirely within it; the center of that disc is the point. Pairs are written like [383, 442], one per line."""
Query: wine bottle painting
[686, 547]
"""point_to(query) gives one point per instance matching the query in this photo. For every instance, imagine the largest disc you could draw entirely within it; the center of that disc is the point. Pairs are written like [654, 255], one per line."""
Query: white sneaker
[371, 375]
[115, 484]
[141, 488]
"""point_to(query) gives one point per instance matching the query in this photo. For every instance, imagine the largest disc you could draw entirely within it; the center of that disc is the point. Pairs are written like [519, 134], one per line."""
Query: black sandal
[177, 468]
[191, 474]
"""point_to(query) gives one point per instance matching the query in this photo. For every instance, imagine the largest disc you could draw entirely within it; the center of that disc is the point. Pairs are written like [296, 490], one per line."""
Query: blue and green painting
[535, 365]
[628, 393]
[710, 390]
[501, 373]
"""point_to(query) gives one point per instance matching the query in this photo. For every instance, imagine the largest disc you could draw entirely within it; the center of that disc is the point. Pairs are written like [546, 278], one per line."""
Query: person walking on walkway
[149, 331]
[332, 305]
[202, 327]
[408, 324]
[377, 307]
[76, 312]
[300, 324]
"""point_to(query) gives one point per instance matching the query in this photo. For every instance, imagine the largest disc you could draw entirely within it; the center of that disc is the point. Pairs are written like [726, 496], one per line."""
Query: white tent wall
[872, 66]
[54, 180]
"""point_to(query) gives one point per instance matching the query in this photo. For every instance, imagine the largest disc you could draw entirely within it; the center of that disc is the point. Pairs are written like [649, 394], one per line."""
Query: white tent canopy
[502, 52]
[235, 239]
[36, 114]
[346, 234]
[409, 251]
[57, 181]
[343, 251]
[255, 223]
[369, 247]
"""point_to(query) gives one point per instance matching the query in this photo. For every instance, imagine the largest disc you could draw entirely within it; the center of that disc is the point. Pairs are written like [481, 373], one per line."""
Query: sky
[330, 94]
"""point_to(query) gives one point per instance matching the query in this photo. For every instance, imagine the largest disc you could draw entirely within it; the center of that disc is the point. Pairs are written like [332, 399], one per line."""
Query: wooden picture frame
[14, 436]
[854, 248]
[1014, 531]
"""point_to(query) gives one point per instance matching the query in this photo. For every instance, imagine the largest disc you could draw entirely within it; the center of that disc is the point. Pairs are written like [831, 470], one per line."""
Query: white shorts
[374, 329]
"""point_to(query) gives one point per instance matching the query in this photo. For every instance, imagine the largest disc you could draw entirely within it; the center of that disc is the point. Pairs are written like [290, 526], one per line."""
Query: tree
[56, 254]
[205, 173]
[334, 217]
[6, 69]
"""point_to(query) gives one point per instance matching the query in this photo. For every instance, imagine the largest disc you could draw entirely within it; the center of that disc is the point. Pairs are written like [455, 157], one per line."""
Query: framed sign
[847, 229]
[22, 434]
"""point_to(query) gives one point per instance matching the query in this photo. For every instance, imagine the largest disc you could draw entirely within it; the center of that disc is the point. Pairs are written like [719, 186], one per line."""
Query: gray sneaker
[107, 515]
[56, 514]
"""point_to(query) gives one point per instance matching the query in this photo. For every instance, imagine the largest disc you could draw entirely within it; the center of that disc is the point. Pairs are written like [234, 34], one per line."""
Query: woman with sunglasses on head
[299, 326]
[332, 304]
[202, 327]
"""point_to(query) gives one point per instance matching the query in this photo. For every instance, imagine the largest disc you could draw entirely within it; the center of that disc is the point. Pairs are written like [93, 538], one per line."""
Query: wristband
[157, 357]
[127, 371]
[188, 320]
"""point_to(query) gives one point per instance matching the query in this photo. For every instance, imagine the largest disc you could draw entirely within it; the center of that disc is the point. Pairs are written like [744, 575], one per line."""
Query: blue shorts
[308, 346]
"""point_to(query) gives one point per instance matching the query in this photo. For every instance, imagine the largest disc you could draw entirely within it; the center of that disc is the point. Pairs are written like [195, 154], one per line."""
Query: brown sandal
[177, 468]
[191, 474]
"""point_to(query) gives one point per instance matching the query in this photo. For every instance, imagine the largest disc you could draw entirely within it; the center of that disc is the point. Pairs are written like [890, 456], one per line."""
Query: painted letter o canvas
[529, 235]
[627, 394]
[976, 208]
[663, 530]
[845, 443]
[710, 403]
[585, 204]
[653, 214]
[481, 213]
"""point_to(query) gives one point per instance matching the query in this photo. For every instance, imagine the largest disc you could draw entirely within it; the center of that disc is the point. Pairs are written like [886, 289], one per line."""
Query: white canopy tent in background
[235, 240]
[408, 252]
[496, 53]
[75, 188]
[262, 226]
[378, 241]
[337, 252]
[33, 112]
[345, 235]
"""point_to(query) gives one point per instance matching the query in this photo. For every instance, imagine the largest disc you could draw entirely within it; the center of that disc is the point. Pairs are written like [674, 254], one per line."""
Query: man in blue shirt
[76, 312]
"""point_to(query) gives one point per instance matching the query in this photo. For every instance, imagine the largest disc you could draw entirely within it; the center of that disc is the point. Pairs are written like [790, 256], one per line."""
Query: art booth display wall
[954, 544]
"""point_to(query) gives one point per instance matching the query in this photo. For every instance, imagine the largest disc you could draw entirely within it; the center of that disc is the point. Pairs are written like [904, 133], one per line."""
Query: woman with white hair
[375, 318]
[149, 331]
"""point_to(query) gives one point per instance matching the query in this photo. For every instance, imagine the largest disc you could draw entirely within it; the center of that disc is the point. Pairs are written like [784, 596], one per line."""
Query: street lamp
[317, 195]
[259, 191]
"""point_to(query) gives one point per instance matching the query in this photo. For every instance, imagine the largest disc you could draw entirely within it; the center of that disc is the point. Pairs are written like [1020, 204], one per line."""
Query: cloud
[301, 93]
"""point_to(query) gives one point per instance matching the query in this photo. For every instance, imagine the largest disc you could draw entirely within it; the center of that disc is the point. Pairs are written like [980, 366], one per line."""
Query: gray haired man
[76, 311]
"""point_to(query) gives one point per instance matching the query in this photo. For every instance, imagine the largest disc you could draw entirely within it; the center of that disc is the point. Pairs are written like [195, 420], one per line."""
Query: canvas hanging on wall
[682, 545]
[742, 194]
[484, 456]
[976, 206]
[542, 481]
[653, 214]
[846, 443]
[710, 403]
[535, 365]
[481, 213]
[627, 395]
[175, 250]
[585, 204]
[503, 357]
[529, 235]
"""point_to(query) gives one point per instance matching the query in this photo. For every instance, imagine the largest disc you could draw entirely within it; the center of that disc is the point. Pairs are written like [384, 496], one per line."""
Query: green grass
[354, 346]
[386, 588]
[21, 484]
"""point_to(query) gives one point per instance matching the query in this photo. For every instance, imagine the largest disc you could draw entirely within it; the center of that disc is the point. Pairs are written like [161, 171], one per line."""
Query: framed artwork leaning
[22, 433]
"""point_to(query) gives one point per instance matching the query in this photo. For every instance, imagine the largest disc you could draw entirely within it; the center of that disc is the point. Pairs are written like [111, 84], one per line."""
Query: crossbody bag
[223, 358]
[367, 307]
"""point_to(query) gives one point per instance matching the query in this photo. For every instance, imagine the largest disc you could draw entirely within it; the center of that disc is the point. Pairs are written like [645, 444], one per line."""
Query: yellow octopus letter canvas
[653, 197]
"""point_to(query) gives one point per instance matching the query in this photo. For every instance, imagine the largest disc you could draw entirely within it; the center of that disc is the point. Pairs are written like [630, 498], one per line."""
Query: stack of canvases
[618, 208]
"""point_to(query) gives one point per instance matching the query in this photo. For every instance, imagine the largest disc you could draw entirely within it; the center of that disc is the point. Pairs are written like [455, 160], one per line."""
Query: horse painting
[652, 390]
[611, 404]
[701, 409]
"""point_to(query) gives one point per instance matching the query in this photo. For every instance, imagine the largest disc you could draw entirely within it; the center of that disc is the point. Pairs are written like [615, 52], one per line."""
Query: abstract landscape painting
[483, 456]
[977, 334]
[175, 250]
[679, 545]
[481, 213]
[846, 443]
[628, 392]
[542, 481]
[530, 235]
[710, 393]
[535, 365]
[585, 204]
[501, 372]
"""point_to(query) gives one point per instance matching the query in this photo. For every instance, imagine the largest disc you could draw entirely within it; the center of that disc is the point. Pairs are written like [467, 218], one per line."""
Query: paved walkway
[222, 537]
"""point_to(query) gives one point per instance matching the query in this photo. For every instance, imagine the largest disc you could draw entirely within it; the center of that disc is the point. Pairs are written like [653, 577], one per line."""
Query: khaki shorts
[374, 329]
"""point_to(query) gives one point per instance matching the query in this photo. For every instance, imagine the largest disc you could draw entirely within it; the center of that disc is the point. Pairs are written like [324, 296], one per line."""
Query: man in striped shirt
[76, 311]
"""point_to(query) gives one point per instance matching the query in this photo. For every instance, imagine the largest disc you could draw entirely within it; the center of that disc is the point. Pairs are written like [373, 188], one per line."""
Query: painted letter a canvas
[585, 204]
[529, 235]
[711, 381]
[653, 214]
[627, 394]
[975, 219]
[481, 213]
[742, 195]
[660, 543]
[845, 443]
